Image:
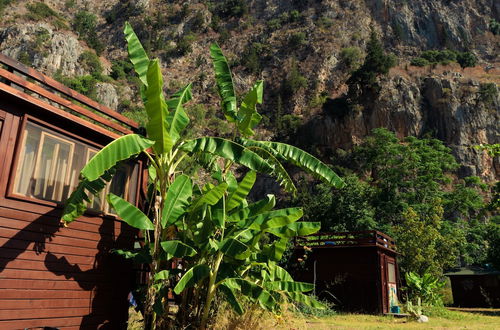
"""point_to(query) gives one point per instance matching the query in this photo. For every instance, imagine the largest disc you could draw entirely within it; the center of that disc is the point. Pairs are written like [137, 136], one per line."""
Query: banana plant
[213, 229]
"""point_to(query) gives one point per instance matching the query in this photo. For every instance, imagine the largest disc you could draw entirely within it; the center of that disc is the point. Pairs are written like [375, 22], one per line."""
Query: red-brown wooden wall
[50, 275]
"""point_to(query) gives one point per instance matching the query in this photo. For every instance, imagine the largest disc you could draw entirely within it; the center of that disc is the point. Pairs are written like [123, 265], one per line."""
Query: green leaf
[75, 205]
[278, 273]
[122, 148]
[228, 150]
[141, 256]
[136, 53]
[224, 81]
[177, 200]
[279, 171]
[306, 300]
[275, 250]
[248, 115]
[289, 286]
[162, 275]
[177, 118]
[178, 249]
[157, 110]
[231, 298]
[253, 209]
[193, 276]
[211, 197]
[299, 158]
[129, 213]
[232, 247]
[301, 228]
[272, 219]
[242, 191]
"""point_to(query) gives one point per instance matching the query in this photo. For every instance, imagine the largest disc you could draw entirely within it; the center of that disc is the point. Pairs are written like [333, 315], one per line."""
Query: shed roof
[472, 271]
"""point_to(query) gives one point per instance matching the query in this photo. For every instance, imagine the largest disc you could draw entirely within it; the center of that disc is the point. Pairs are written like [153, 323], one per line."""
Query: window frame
[20, 140]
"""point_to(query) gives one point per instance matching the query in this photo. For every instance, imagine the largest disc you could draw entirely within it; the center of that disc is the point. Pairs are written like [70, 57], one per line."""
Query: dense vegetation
[406, 189]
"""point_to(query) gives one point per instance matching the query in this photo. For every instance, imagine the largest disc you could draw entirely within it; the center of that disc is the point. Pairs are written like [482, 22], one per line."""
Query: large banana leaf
[177, 118]
[232, 247]
[129, 213]
[193, 276]
[136, 53]
[272, 219]
[290, 286]
[228, 150]
[211, 197]
[279, 171]
[306, 300]
[75, 205]
[241, 192]
[275, 250]
[301, 228]
[177, 200]
[224, 82]
[253, 291]
[157, 110]
[122, 148]
[248, 115]
[177, 249]
[299, 158]
[231, 298]
[253, 209]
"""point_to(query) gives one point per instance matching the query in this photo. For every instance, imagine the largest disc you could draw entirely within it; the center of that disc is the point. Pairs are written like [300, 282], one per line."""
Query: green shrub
[419, 61]
[274, 24]
[294, 16]
[297, 39]
[38, 11]
[231, 8]
[466, 60]
[494, 27]
[3, 5]
[82, 84]
[42, 36]
[85, 25]
[488, 92]
[350, 57]
[92, 63]
[121, 69]
[25, 58]
[324, 22]
[294, 81]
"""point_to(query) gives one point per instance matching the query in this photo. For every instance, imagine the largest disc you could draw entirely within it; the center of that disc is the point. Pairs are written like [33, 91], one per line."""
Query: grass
[439, 318]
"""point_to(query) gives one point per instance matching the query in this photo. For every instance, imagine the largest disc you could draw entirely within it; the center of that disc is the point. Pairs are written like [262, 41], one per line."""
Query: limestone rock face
[43, 48]
[107, 95]
[451, 109]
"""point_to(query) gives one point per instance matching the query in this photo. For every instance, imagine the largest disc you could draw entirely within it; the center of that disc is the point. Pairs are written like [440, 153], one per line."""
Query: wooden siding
[50, 275]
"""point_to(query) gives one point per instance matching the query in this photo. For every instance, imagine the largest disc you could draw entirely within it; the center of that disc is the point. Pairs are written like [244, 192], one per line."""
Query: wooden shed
[475, 287]
[357, 271]
[52, 276]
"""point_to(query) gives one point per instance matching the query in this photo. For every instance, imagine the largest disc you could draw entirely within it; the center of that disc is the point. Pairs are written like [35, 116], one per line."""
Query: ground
[438, 319]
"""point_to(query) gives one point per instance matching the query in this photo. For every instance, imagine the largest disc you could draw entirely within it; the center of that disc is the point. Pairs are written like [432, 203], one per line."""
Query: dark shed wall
[476, 290]
[350, 274]
[51, 275]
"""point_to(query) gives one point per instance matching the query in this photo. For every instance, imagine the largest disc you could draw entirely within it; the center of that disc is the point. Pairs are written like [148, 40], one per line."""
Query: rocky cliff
[300, 48]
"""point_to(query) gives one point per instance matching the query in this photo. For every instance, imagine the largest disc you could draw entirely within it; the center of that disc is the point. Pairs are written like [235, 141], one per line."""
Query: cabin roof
[367, 238]
[29, 85]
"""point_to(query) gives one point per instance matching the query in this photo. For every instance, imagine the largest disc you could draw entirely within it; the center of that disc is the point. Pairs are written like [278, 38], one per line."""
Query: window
[391, 270]
[50, 163]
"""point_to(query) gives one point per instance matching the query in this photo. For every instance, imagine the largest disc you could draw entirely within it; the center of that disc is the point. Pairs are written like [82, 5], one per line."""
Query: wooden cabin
[475, 287]
[356, 271]
[54, 276]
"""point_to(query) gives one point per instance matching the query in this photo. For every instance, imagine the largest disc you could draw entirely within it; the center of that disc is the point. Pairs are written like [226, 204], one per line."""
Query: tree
[376, 63]
[212, 227]
[466, 60]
